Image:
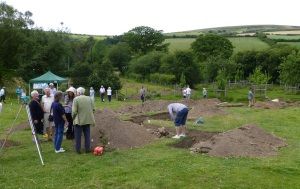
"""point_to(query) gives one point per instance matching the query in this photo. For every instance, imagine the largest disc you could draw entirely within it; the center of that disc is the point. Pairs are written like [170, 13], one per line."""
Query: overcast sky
[113, 17]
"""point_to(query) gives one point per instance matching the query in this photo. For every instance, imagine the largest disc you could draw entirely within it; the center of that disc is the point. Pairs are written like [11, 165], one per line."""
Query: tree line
[140, 53]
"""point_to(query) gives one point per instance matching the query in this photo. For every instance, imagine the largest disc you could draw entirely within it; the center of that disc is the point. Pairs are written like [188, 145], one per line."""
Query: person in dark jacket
[60, 121]
[37, 113]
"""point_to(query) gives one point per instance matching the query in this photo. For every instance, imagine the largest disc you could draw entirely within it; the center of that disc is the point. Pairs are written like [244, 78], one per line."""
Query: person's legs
[77, 133]
[102, 97]
[109, 98]
[87, 138]
[70, 131]
[59, 133]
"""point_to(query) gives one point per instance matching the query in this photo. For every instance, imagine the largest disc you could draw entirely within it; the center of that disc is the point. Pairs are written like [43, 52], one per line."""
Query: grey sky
[112, 17]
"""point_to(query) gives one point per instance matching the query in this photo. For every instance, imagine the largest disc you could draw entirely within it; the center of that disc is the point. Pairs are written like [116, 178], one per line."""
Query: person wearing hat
[68, 111]
[204, 93]
[46, 103]
[52, 89]
[2, 95]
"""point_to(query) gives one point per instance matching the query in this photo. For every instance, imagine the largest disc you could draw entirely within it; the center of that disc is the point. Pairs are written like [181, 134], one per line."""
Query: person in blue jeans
[60, 121]
[178, 113]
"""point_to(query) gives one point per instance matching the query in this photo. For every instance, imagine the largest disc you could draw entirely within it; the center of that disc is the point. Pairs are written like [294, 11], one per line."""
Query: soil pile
[8, 143]
[117, 134]
[271, 105]
[246, 141]
[204, 107]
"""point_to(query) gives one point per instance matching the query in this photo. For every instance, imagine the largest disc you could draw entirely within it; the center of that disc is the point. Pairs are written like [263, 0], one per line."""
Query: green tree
[290, 69]
[146, 64]
[80, 74]
[211, 45]
[221, 79]
[258, 77]
[103, 74]
[144, 39]
[119, 56]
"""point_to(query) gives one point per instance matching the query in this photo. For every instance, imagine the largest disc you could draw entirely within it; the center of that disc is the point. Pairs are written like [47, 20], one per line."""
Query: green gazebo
[48, 77]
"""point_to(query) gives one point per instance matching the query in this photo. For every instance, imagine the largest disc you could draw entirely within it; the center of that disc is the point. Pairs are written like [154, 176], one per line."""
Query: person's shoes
[182, 135]
[176, 137]
[60, 150]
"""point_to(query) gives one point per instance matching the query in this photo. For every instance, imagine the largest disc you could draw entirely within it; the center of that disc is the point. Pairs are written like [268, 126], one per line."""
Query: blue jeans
[78, 129]
[59, 133]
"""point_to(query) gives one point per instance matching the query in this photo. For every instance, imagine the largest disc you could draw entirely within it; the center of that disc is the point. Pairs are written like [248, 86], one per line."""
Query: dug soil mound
[8, 143]
[271, 105]
[246, 141]
[116, 134]
[204, 107]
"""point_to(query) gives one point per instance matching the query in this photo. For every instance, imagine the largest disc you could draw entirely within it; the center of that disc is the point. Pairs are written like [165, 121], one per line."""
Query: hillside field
[239, 43]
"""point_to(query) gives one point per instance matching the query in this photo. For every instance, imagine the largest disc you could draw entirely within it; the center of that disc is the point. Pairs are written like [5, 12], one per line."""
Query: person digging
[178, 113]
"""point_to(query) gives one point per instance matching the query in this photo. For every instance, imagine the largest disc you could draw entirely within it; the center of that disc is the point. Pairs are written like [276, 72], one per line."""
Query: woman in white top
[109, 91]
[92, 93]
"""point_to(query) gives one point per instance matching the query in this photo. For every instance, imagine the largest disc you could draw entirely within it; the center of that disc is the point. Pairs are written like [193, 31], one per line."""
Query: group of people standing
[57, 111]
[102, 92]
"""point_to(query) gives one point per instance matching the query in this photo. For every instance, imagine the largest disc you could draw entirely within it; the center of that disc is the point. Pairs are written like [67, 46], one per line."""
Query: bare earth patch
[246, 141]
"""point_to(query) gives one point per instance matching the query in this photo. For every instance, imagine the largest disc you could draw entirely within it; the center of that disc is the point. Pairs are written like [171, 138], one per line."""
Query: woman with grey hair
[37, 112]
[60, 121]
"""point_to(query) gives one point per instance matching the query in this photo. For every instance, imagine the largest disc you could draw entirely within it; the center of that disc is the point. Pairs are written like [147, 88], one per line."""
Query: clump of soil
[194, 137]
[204, 107]
[271, 105]
[139, 119]
[246, 141]
[8, 143]
[116, 134]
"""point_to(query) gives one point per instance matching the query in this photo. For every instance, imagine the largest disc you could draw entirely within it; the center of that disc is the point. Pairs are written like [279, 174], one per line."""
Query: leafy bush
[162, 78]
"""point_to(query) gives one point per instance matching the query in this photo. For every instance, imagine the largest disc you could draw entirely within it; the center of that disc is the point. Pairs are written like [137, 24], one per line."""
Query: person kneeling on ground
[60, 121]
[178, 113]
[82, 113]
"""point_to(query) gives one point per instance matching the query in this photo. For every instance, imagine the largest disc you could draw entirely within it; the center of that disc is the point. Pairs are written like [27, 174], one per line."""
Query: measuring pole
[34, 134]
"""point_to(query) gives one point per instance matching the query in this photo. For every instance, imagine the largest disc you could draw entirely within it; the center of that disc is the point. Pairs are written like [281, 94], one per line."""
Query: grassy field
[296, 44]
[287, 37]
[239, 43]
[156, 165]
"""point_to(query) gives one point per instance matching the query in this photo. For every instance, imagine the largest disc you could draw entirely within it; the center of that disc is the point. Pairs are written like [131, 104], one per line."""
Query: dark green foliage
[146, 64]
[103, 75]
[80, 74]
[211, 45]
[144, 39]
[165, 79]
[221, 79]
[182, 62]
[119, 56]
[290, 69]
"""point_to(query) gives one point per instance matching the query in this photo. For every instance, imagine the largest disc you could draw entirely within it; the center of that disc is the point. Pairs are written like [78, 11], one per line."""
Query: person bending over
[178, 113]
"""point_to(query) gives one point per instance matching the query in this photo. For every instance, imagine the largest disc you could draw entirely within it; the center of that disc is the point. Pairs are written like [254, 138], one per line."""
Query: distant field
[284, 36]
[240, 43]
[293, 32]
[84, 37]
[179, 43]
[296, 44]
[247, 43]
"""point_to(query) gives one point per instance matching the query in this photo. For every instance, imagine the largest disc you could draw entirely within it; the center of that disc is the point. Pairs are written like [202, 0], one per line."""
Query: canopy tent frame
[48, 77]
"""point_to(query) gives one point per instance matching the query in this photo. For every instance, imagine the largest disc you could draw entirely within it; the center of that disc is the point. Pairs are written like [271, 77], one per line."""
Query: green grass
[156, 165]
[239, 43]
[247, 43]
[296, 44]
[287, 37]
[179, 43]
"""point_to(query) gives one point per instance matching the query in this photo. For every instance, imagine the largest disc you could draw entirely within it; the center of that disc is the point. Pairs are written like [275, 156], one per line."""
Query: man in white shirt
[102, 93]
[46, 103]
[188, 92]
[178, 113]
